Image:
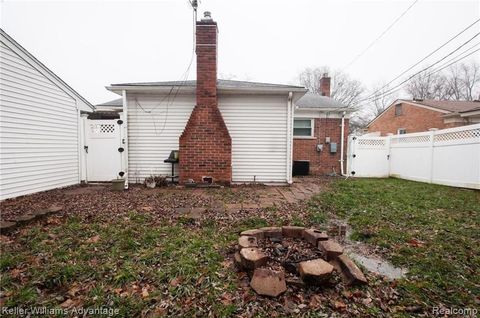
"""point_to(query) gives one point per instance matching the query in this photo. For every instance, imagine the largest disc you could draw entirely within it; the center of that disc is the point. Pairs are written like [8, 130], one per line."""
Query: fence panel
[410, 156]
[368, 157]
[448, 156]
[456, 157]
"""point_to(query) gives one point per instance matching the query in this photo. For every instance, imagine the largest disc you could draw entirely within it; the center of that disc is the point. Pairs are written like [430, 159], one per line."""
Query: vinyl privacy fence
[448, 156]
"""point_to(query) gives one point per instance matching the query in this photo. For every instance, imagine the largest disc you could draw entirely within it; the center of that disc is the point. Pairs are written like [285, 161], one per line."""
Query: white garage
[40, 130]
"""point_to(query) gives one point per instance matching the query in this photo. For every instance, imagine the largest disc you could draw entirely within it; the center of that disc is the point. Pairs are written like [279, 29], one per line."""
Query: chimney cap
[325, 75]
[207, 16]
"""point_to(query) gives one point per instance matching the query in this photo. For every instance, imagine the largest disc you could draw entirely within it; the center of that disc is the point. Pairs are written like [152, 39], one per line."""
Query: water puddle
[379, 266]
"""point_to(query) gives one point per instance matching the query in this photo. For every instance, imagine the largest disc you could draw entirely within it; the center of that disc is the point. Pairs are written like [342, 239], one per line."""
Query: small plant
[161, 181]
[150, 182]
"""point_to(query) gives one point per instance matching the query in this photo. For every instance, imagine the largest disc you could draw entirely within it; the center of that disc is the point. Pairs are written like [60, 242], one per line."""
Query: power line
[430, 73]
[380, 36]
[412, 76]
[423, 59]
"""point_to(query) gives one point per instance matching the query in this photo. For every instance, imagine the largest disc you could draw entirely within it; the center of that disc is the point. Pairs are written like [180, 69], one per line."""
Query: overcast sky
[91, 44]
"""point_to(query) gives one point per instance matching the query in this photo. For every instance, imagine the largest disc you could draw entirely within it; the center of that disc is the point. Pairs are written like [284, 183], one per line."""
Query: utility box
[333, 147]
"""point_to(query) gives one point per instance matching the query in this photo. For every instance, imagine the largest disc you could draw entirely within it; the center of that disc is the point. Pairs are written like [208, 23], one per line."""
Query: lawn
[145, 264]
[432, 230]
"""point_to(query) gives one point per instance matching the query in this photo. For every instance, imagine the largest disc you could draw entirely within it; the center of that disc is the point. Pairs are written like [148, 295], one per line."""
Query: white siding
[38, 130]
[152, 135]
[258, 127]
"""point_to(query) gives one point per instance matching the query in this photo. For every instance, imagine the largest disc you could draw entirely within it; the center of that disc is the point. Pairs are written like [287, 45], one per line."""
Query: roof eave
[191, 89]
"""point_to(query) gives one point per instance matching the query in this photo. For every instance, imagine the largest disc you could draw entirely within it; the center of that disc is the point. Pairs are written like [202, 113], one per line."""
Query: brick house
[319, 125]
[409, 116]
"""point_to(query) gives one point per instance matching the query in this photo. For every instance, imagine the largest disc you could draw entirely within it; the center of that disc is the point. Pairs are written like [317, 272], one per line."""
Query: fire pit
[291, 255]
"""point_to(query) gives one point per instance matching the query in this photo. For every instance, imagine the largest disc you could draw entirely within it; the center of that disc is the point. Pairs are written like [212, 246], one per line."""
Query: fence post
[432, 140]
[389, 157]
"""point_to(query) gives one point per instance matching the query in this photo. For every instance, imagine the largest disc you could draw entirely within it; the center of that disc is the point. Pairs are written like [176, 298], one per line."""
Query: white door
[103, 147]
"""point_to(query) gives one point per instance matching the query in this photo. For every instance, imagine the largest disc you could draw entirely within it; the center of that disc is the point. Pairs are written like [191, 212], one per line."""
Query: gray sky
[90, 44]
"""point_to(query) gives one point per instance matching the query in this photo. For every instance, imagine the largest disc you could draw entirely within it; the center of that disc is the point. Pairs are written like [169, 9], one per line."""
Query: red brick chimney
[205, 144]
[325, 85]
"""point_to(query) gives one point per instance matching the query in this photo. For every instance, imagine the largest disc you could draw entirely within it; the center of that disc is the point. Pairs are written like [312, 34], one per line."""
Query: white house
[40, 131]
[259, 118]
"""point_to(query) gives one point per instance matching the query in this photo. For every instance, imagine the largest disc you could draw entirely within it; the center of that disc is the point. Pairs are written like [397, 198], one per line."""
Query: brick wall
[205, 144]
[322, 162]
[413, 119]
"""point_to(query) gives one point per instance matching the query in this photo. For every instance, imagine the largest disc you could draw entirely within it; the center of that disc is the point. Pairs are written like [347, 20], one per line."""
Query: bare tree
[470, 79]
[381, 99]
[460, 82]
[344, 89]
[428, 86]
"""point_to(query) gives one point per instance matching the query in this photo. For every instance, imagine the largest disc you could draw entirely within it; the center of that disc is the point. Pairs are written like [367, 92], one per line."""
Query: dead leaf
[94, 239]
[176, 281]
[339, 305]
[16, 272]
[315, 301]
[415, 243]
[67, 303]
[145, 293]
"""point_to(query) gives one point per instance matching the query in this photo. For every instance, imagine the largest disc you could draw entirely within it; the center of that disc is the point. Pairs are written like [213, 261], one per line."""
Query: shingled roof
[446, 105]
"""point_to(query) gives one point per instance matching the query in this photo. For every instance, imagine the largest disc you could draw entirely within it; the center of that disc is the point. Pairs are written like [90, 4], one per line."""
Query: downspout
[289, 137]
[342, 141]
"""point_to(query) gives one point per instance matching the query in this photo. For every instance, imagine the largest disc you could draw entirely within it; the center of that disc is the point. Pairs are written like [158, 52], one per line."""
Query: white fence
[448, 156]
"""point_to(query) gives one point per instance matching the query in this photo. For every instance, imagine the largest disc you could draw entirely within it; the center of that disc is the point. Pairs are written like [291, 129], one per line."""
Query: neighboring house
[225, 131]
[318, 126]
[409, 116]
[40, 130]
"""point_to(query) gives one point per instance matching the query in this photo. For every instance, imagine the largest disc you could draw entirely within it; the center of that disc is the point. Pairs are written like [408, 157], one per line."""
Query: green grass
[391, 212]
[129, 254]
[147, 265]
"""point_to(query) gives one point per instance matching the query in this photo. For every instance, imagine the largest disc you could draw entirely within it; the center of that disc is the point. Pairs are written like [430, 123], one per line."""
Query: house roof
[4, 37]
[448, 105]
[113, 103]
[221, 84]
[311, 100]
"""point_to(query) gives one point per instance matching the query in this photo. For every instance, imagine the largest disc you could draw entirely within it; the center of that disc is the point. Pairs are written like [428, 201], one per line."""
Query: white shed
[40, 130]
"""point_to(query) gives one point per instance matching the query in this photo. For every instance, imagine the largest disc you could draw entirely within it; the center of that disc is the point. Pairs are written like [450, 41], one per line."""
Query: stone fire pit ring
[268, 274]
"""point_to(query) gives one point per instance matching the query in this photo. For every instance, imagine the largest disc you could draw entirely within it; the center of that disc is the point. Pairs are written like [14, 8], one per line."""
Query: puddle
[379, 266]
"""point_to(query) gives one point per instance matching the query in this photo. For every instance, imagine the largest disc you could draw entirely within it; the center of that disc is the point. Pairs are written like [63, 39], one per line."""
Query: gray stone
[268, 282]
[315, 271]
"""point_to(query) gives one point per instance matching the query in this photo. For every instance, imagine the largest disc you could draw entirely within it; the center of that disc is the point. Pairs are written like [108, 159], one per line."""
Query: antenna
[194, 4]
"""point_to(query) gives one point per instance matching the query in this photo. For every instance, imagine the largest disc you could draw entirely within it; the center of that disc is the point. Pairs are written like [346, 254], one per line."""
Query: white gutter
[289, 137]
[342, 141]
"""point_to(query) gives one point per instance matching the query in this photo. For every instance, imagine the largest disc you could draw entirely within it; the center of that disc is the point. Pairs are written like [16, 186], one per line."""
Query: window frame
[401, 133]
[312, 128]
[400, 113]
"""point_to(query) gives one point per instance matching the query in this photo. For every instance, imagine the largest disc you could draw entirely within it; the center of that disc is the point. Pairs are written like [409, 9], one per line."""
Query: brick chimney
[325, 85]
[205, 152]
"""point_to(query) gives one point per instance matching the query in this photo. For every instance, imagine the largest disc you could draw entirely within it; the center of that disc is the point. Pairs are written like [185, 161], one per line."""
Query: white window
[401, 131]
[303, 128]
